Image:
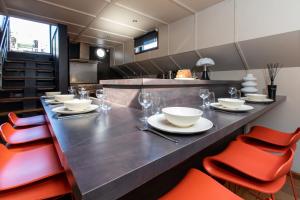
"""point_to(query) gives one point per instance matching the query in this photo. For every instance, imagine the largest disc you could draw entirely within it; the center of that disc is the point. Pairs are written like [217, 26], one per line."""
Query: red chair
[26, 121]
[250, 167]
[196, 185]
[23, 166]
[45, 189]
[271, 140]
[18, 136]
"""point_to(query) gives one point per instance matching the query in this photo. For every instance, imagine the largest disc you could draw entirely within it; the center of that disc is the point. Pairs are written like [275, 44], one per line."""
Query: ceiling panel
[96, 41]
[104, 35]
[116, 28]
[125, 16]
[198, 5]
[74, 29]
[89, 6]
[164, 10]
[35, 7]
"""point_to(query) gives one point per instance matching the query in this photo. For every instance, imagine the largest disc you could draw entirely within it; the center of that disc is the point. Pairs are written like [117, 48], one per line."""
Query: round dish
[63, 110]
[161, 123]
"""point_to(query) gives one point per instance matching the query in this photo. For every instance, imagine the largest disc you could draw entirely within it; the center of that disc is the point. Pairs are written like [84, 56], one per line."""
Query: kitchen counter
[148, 82]
[173, 92]
[106, 157]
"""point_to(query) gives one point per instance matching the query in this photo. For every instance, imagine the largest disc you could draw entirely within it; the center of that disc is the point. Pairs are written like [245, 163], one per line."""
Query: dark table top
[107, 157]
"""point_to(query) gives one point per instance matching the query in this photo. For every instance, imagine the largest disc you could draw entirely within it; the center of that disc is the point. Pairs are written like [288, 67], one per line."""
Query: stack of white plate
[234, 105]
[257, 98]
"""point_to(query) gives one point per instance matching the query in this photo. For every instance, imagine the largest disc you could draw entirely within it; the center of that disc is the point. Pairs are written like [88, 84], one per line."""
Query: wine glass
[232, 91]
[203, 93]
[145, 100]
[210, 99]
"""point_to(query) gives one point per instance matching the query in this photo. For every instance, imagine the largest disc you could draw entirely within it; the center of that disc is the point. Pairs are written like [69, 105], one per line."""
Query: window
[146, 42]
[29, 36]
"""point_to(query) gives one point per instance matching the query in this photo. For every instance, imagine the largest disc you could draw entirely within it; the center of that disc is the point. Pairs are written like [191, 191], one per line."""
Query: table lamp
[205, 62]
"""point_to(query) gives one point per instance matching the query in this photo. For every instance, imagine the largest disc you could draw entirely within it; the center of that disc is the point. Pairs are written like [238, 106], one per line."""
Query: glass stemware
[145, 100]
[203, 93]
[72, 90]
[232, 91]
[210, 99]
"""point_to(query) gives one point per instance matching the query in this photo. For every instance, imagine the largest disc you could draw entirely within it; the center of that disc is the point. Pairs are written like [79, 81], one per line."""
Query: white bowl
[182, 116]
[256, 96]
[77, 104]
[64, 97]
[51, 94]
[231, 103]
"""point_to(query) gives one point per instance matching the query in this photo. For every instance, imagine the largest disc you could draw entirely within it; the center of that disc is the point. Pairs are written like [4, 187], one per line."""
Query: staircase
[25, 77]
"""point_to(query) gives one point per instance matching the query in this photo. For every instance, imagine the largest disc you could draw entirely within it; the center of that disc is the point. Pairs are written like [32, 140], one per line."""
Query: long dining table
[105, 156]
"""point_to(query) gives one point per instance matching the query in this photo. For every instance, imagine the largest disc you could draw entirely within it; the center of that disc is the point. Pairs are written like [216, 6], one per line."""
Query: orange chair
[26, 121]
[23, 166]
[250, 167]
[18, 136]
[271, 140]
[45, 189]
[197, 185]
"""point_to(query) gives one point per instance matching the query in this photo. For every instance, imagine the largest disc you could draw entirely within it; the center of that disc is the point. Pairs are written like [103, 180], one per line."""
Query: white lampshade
[205, 62]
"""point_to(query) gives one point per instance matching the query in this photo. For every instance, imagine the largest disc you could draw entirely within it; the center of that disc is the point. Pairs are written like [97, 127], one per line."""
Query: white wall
[285, 117]
[234, 21]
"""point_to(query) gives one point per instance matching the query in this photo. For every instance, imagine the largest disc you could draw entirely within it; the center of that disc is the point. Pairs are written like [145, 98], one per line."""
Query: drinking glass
[158, 103]
[100, 95]
[232, 91]
[72, 90]
[203, 93]
[210, 99]
[145, 100]
[83, 93]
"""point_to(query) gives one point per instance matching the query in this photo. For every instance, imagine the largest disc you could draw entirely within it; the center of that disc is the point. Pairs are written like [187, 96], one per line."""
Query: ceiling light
[100, 53]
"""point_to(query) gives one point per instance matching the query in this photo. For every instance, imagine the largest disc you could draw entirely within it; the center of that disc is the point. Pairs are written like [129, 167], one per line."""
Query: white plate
[53, 102]
[185, 79]
[64, 110]
[242, 108]
[160, 122]
[257, 101]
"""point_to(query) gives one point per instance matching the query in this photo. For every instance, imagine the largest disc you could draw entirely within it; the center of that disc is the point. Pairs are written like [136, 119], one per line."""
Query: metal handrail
[4, 46]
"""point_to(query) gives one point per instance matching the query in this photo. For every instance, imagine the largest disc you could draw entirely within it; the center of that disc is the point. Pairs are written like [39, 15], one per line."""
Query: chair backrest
[296, 136]
[6, 129]
[287, 161]
[251, 161]
[12, 117]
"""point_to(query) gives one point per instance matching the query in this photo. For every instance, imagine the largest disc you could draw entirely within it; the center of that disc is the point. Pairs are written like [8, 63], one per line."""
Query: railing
[4, 40]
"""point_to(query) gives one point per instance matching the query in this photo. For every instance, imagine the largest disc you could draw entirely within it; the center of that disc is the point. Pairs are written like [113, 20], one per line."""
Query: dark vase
[272, 92]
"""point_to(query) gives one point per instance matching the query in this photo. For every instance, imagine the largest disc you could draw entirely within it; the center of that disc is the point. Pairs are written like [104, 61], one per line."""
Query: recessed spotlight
[134, 20]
